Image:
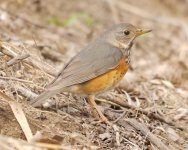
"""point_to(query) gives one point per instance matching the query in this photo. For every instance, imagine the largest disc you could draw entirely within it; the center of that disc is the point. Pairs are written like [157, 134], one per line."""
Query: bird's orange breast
[104, 81]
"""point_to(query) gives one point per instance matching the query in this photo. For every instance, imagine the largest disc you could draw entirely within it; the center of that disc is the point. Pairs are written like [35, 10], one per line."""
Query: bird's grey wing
[91, 62]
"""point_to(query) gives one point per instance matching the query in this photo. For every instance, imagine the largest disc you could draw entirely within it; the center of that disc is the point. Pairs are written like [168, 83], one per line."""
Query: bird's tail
[42, 97]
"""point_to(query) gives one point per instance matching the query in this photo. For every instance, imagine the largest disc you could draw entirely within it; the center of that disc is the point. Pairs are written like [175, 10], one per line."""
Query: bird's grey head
[122, 35]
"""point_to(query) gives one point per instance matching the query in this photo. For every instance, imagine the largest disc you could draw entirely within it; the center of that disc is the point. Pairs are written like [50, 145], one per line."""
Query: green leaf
[54, 20]
[72, 19]
[79, 16]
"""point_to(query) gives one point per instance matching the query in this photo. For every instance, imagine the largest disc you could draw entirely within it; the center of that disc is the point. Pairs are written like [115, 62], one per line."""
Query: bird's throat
[125, 49]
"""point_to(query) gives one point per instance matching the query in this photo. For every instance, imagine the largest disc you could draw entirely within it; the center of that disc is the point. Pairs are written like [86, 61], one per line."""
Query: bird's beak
[141, 31]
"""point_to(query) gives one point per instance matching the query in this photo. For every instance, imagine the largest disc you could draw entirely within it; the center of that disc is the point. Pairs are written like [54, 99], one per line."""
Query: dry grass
[149, 108]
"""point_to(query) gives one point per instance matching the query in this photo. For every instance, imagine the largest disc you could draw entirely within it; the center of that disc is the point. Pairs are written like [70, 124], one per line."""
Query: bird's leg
[102, 118]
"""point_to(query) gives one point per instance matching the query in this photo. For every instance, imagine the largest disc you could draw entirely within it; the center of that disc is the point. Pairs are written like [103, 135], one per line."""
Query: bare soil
[152, 111]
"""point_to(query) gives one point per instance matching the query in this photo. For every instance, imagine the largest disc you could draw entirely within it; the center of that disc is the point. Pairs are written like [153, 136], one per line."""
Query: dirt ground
[151, 110]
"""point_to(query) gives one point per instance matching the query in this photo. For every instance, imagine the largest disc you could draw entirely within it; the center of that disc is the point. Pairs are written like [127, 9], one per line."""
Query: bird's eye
[126, 32]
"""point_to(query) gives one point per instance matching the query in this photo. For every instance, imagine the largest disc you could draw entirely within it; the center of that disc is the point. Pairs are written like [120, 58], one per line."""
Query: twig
[145, 131]
[49, 54]
[136, 146]
[15, 79]
[23, 91]
[117, 134]
[56, 146]
[130, 101]
[121, 116]
[15, 60]
[122, 103]
[19, 115]
[9, 143]
[105, 101]
[8, 49]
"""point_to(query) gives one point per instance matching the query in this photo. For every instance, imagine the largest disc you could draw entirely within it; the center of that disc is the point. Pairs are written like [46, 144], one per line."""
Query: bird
[97, 68]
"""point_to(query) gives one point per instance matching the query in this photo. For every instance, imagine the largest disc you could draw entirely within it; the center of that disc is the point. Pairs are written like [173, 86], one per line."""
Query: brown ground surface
[52, 31]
